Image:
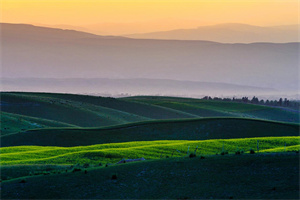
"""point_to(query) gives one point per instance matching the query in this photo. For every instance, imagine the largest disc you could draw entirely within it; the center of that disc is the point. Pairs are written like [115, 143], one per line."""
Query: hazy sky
[85, 12]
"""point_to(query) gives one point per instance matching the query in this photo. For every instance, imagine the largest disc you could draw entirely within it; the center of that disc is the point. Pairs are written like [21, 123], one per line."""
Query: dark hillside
[187, 129]
[267, 176]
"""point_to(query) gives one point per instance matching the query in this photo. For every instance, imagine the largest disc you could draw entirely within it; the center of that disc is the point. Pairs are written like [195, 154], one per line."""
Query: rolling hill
[72, 112]
[85, 111]
[12, 123]
[217, 177]
[114, 152]
[206, 108]
[24, 111]
[184, 129]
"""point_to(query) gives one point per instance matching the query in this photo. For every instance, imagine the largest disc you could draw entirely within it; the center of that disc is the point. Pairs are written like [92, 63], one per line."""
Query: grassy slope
[206, 108]
[256, 176]
[9, 172]
[111, 153]
[134, 108]
[90, 111]
[186, 129]
[67, 111]
[12, 123]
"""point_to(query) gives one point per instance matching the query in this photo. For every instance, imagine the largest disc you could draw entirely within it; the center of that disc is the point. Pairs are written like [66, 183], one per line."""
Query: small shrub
[46, 172]
[224, 153]
[252, 151]
[23, 181]
[192, 155]
[239, 151]
[109, 156]
[86, 165]
[76, 170]
[114, 177]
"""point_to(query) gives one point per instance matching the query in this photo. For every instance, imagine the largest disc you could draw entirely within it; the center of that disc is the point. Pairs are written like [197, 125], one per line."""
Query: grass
[111, 153]
[209, 108]
[184, 129]
[141, 110]
[72, 112]
[17, 171]
[91, 111]
[258, 176]
[214, 105]
[13, 123]
[282, 149]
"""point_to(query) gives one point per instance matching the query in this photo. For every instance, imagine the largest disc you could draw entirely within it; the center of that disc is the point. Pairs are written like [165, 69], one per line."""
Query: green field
[259, 176]
[209, 108]
[14, 123]
[65, 146]
[72, 112]
[185, 129]
[114, 152]
[91, 111]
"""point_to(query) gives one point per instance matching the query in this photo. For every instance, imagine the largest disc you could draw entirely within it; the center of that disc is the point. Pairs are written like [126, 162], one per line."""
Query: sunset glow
[189, 12]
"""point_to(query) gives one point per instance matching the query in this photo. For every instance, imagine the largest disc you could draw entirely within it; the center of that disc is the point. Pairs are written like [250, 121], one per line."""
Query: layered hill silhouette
[37, 52]
[39, 33]
[229, 33]
[114, 87]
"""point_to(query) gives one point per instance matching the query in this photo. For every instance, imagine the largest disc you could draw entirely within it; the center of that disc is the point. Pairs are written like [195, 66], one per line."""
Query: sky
[183, 12]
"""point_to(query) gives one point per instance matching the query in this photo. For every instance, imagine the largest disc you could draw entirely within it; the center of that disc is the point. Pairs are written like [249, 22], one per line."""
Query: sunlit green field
[111, 153]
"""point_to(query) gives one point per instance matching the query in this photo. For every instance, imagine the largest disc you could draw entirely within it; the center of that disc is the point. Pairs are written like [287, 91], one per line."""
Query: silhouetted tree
[280, 102]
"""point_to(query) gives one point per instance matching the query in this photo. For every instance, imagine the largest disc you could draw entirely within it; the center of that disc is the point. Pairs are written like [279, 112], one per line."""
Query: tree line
[281, 102]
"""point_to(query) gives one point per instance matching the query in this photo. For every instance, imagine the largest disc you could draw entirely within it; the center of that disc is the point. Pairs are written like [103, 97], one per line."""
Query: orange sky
[85, 12]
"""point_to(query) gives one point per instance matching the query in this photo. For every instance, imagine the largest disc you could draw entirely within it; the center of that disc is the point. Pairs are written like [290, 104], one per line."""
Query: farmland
[71, 141]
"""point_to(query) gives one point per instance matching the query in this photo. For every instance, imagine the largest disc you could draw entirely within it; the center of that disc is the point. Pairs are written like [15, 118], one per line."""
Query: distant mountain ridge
[129, 86]
[28, 31]
[229, 33]
[38, 52]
